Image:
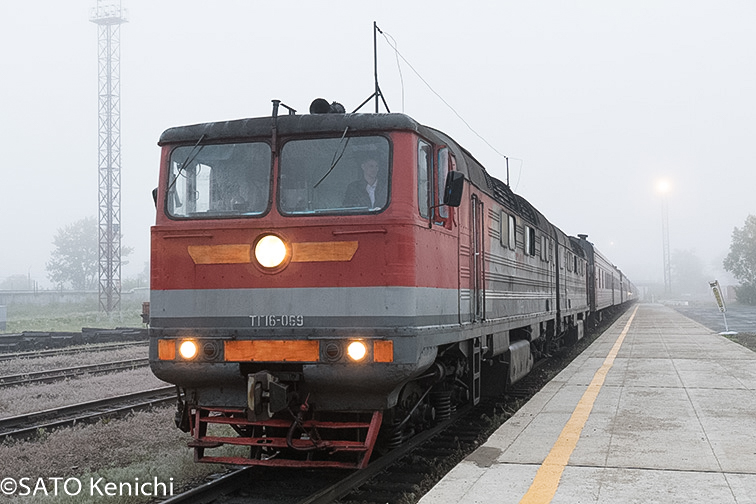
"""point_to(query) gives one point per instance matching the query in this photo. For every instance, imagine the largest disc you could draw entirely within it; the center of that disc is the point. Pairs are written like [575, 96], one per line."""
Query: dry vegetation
[38, 397]
[145, 445]
[748, 340]
[31, 365]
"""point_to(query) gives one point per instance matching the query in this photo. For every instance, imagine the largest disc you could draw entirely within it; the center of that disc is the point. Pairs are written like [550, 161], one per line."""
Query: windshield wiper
[189, 158]
[335, 159]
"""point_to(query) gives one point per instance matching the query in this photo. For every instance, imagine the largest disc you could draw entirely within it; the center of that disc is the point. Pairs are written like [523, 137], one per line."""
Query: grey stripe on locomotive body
[428, 315]
[311, 303]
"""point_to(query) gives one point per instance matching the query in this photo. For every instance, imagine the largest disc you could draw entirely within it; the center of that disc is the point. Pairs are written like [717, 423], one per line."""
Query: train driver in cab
[370, 190]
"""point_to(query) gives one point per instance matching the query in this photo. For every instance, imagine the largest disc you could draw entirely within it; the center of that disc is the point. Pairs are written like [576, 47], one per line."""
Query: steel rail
[53, 375]
[212, 490]
[29, 424]
[357, 478]
[231, 482]
[70, 350]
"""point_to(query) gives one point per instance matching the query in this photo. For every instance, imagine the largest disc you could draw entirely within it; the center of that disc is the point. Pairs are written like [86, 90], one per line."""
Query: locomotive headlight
[188, 349]
[357, 350]
[270, 251]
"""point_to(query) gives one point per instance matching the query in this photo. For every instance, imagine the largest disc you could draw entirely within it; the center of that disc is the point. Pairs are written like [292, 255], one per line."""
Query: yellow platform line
[546, 480]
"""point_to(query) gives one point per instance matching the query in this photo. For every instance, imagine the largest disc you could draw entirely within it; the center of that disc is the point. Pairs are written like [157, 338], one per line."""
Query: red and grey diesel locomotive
[323, 284]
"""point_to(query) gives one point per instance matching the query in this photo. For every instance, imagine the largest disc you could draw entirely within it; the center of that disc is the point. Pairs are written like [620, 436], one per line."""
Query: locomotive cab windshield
[219, 180]
[334, 175]
[315, 176]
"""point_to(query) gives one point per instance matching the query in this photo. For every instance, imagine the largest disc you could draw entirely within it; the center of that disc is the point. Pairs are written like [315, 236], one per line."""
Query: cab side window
[424, 158]
[442, 169]
[433, 166]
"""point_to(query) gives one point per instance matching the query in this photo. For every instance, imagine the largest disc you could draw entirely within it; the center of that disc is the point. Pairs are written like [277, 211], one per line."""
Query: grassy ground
[70, 317]
[748, 340]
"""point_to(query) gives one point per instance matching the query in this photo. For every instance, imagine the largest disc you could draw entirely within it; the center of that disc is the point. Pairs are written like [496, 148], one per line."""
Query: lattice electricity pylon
[108, 16]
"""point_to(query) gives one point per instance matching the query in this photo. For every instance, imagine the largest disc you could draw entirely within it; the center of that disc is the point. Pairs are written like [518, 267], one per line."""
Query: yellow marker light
[188, 349]
[270, 251]
[357, 350]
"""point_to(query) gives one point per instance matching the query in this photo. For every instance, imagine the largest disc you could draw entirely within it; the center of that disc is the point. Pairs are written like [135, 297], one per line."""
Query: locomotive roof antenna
[108, 16]
[377, 93]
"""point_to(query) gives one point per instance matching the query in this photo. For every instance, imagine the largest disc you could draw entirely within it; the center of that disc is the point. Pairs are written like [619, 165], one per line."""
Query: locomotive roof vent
[321, 106]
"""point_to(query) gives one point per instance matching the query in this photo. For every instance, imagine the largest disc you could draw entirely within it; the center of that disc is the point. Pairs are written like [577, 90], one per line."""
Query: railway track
[208, 492]
[30, 424]
[54, 375]
[71, 350]
[36, 340]
[396, 473]
[330, 484]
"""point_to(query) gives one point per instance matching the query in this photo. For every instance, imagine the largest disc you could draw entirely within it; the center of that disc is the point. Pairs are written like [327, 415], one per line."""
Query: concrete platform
[658, 410]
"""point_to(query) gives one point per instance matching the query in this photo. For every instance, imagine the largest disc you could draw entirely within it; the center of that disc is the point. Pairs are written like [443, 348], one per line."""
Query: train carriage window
[216, 181]
[508, 227]
[345, 175]
[504, 229]
[423, 184]
[530, 240]
[551, 250]
[544, 249]
[526, 246]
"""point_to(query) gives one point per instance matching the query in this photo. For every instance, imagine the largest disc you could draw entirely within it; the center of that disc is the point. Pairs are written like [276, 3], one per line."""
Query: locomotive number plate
[277, 320]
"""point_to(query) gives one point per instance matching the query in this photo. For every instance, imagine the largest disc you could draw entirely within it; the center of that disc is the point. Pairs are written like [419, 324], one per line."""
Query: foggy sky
[593, 101]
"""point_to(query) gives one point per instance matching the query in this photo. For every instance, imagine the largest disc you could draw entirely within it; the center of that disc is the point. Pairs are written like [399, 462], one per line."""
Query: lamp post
[663, 188]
